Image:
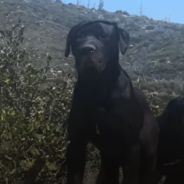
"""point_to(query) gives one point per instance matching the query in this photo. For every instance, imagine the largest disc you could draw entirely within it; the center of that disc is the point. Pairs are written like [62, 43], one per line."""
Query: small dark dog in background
[104, 97]
[170, 162]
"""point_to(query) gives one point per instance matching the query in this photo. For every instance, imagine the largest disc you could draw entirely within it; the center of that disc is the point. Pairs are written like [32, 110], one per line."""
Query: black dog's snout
[88, 49]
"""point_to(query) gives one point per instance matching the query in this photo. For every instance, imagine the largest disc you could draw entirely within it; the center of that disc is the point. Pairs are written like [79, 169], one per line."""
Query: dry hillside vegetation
[37, 81]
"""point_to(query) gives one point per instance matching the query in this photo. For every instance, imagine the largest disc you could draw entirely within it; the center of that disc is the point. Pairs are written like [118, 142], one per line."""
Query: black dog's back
[150, 127]
[142, 99]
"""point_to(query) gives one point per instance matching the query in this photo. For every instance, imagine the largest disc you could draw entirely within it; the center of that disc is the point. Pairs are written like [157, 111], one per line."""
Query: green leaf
[52, 166]
[35, 151]
[47, 127]
[9, 158]
[38, 136]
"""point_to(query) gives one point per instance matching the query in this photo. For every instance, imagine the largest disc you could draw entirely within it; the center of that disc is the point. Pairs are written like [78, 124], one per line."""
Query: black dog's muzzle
[91, 55]
[87, 49]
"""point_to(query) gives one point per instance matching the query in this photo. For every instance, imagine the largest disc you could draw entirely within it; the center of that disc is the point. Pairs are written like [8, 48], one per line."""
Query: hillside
[154, 60]
[35, 102]
[156, 47]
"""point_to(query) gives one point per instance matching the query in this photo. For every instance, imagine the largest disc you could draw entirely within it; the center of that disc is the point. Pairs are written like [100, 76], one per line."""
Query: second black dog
[105, 98]
[170, 160]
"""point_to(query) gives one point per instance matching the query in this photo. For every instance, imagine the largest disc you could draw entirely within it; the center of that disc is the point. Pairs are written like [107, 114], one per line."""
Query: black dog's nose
[88, 49]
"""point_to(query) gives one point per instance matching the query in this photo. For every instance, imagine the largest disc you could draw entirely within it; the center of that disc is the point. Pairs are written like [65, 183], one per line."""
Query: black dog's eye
[103, 35]
[79, 35]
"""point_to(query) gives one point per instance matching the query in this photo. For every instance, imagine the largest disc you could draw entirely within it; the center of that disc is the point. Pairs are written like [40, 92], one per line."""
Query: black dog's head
[95, 44]
[175, 105]
[176, 108]
[173, 114]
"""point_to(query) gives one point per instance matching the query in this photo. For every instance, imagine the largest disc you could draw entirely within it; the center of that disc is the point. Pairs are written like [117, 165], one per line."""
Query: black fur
[104, 97]
[171, 143]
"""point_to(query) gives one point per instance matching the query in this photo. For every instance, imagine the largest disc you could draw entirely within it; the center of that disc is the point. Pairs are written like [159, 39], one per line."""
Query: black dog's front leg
[110, 150]
[79, 133]
[132, 164]
[109, 171]
[76, 157]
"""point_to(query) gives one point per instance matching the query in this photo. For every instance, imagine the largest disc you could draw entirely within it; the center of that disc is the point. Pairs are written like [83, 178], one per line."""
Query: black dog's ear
[124, 39]
[71, 36]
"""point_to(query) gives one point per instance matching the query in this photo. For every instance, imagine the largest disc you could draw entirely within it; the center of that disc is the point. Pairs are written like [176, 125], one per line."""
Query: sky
[156, 9]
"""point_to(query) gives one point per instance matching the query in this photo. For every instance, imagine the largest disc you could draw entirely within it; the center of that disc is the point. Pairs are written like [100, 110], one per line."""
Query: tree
[141, 9]
[88, 3]
[101, 5]
[58, 1]
[94, 5]
[78, 2]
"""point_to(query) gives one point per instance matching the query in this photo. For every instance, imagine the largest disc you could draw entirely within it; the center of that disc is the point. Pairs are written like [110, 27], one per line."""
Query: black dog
[171, 143]
[105, 98]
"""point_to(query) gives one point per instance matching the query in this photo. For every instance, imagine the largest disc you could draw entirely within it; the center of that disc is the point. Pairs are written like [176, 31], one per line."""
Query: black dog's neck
[92, 78]
[97, 86]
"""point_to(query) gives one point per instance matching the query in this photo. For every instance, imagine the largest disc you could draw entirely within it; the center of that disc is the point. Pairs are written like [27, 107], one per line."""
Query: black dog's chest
[119, 120]
[108, 121]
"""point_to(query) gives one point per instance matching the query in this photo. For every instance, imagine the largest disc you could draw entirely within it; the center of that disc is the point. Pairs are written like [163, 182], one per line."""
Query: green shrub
[33, 112]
